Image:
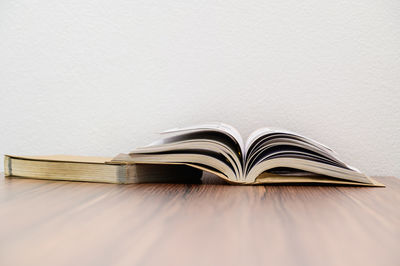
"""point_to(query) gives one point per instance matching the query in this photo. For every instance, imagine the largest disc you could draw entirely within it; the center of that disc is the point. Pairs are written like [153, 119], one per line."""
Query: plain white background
[94, 77]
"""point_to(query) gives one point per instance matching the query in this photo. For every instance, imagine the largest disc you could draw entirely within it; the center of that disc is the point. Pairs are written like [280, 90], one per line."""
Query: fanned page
[268, 156]
[229, 130]
[214, 146]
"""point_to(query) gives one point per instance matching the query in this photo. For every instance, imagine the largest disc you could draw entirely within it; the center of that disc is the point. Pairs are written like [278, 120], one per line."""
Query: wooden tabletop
[71, 223]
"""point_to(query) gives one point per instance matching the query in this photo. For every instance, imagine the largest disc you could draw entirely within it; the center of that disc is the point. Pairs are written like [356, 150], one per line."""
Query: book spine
[7, 166]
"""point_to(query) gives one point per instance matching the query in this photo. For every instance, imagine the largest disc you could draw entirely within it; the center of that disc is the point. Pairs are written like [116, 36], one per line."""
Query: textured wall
[100, 77]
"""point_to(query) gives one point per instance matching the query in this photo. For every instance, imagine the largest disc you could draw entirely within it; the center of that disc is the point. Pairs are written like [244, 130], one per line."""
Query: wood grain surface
[71, 223]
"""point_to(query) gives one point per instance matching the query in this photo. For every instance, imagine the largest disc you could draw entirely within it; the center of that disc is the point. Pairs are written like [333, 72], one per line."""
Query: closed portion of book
[93, 169]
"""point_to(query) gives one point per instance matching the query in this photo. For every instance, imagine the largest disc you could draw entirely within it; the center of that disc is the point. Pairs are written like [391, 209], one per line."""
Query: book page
[215, 126]
[267, 130]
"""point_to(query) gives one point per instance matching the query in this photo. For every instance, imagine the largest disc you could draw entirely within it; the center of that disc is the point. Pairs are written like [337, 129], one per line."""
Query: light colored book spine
[7, 165]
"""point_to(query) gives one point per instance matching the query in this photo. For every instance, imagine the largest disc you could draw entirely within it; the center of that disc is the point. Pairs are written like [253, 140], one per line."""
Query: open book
[267, 156]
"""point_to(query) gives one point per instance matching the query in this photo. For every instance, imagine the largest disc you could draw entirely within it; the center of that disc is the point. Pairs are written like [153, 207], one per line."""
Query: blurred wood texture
[213, 223]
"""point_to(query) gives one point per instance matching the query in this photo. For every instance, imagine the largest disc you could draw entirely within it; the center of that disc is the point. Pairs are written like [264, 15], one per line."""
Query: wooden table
[71, 223]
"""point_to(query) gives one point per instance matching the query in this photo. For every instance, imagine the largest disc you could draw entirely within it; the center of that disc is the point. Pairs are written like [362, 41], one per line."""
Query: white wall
[97, 77]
